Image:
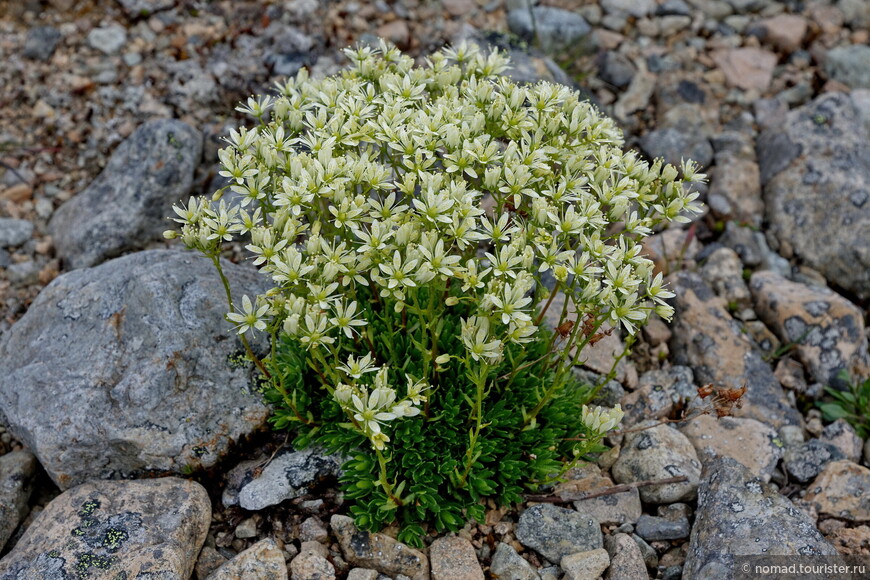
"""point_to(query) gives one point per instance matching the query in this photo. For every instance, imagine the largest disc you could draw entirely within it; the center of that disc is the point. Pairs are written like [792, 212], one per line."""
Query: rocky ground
[772, 284]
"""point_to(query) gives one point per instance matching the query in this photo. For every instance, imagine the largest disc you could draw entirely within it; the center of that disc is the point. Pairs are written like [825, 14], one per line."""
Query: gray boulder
[554, 29]
[850, 65]
[17, 470]
[127, 205]
[555, 532]
[115, 529]
[738, 514]
[130, 367]
[815, 169]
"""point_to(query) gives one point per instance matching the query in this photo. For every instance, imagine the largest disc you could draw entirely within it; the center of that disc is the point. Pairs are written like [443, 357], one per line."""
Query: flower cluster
[393, 177]
[600, 420]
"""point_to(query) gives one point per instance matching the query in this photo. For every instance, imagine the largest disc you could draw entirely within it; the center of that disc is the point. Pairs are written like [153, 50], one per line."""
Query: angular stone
[806, 461]
[17, 470]
[137, 373]
[41, 42]
[652, 528]
[126, 206]
[676, 145]
[735, 190]
[311, 563]
[659, 452]
[556, 532]
[723, 271]
[848, 65]
[746, 68]
[585, 565]
[816, 171]
[507, 564]
[658, 393]
[612, 509]
[14, 232]
[262, 561]
[626, 559]
[785, 31]
[144, 8]
[842, 491]
[752, 443]
[115, 529]
[826, 329]
[287, 476]
[842, 435]
[738, 514]
[378, 551]
[713, 344]
[108, 39]
[453, 558]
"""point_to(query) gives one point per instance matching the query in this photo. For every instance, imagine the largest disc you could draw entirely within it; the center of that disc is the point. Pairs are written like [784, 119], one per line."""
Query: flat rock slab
[130, 367]
[710, 341]
[115, 529]
[738, 514]
[262, 561]
[815, 168]
[453, 558]
[752, 443]
[127, 205]
[827, 330]
[17, 470]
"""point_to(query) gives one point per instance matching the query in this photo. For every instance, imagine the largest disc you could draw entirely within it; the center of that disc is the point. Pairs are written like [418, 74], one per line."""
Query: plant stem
[384, 481]
[217, 264]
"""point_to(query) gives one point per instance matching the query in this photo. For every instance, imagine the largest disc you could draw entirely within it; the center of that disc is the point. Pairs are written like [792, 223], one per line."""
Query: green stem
[217, 264]
[480, 384]
[384, 481]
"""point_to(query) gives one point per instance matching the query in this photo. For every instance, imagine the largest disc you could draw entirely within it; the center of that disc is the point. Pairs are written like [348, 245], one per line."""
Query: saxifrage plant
[417, 224]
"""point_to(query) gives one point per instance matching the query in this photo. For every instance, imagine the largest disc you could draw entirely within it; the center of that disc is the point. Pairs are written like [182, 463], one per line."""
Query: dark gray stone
[16, 478]
[806, 461]
[657, 393]
[287, 476]
[41, 42]
[507, 564]
[555, 532]
[127, 205]
[673, 8]
[652, 528]
[738, 514]
[616, 69]
[150, 529]
[14, 232]
[849, 65]
[816, 171]
[130, 367]
[553, 29]
[674, 146]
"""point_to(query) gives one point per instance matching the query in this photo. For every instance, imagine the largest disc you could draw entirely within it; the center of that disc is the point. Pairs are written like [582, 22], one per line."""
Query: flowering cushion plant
[417, 223]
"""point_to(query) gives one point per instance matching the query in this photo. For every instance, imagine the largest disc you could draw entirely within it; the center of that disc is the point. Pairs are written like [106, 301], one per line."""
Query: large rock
[115, 529]
[130, 367]
[842, 490]
[262, 561]
[453, 558]
[827, 329]
[127, 205]
[659, 452]
[739, 515]
[711, 342]
[555, 532]
[17, 470]
[815, 169]
[752, 443]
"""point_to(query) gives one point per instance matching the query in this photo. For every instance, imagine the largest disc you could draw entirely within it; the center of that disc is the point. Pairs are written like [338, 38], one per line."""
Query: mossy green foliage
[427, 458]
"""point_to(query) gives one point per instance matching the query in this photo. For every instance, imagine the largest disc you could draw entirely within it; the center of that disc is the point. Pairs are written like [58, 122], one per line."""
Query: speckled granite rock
[555, 532]
[130, 367]
[659, 452]
[126, 206]
[119, 529]
[815, 169]
[453, 558]
[738, 514]
[827, 329]
[752, 443]
[842, 490]
[378, 551]
[17, 470]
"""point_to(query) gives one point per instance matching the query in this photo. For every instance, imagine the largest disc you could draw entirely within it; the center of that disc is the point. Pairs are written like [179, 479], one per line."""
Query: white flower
[250, 318]
[600, 420]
